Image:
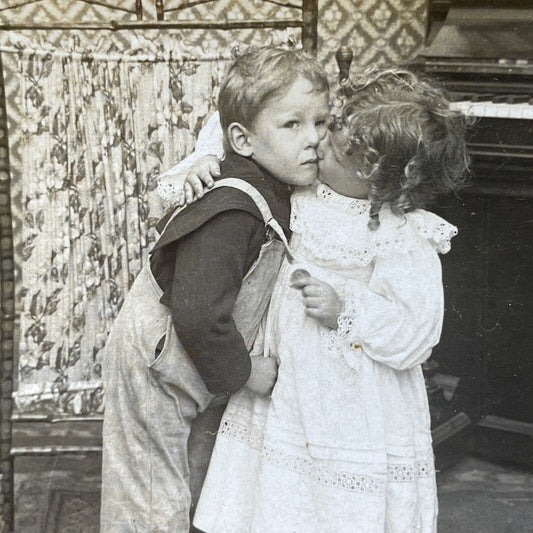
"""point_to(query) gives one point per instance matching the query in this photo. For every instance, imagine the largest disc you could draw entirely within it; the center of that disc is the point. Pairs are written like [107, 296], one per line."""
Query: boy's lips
[310, 162]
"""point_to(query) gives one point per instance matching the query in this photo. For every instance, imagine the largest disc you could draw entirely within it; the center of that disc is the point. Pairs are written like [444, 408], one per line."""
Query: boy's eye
[291, 124]
[321, 127]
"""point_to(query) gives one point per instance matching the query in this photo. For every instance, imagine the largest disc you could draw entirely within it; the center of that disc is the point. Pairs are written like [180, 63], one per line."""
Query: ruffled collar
[352, 206]
[335, 228]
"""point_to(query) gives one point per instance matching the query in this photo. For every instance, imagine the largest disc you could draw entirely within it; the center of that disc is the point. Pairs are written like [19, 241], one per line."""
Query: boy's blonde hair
[259, 74]
[410, 141]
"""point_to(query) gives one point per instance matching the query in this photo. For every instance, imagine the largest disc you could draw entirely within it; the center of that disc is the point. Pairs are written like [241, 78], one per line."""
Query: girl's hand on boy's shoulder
[320, 299]
[191, 183]
[200, 177]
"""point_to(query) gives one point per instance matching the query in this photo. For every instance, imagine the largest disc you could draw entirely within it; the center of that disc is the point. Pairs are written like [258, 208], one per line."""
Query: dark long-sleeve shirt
[200, 262]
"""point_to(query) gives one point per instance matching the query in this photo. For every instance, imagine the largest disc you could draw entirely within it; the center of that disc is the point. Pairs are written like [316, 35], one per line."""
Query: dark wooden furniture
[7, 317]
[483, 53]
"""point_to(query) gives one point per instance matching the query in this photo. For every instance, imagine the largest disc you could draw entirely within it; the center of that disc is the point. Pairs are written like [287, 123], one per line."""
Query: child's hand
[320, 300]
[192, 182]
[263, 375]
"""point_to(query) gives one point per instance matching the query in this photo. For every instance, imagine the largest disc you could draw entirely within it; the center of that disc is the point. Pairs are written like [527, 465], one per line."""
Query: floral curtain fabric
[90, 129]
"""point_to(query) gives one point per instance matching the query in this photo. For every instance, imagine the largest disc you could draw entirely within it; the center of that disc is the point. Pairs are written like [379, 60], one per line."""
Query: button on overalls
[152, 401]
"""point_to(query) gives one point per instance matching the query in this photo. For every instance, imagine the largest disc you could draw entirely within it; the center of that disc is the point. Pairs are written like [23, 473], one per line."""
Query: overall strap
[260, 203]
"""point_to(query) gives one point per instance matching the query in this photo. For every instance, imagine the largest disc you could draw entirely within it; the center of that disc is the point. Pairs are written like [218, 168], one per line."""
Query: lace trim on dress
[406, 473]
[325, 476]
[348, 481]
[167, 189]
[336, 342]
[353, 206]
[328, 227]
[436, 230]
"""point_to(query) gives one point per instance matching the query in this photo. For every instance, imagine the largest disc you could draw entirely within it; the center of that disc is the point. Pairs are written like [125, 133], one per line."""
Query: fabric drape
[90, 129]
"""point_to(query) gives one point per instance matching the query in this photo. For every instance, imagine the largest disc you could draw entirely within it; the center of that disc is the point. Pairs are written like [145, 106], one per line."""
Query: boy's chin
[306, 179]
[299, 177]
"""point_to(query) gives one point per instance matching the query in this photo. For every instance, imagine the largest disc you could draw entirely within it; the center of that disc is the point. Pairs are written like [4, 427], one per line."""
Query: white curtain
[90, 128]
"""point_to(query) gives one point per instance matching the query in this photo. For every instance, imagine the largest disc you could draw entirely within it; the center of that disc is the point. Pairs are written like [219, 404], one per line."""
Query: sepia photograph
[266, 266]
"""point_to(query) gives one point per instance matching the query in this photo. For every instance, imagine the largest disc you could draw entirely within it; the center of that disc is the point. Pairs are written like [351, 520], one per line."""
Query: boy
[165, 363]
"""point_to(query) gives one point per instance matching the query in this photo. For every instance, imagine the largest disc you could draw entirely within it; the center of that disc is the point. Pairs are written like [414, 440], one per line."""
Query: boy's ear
[239, 139]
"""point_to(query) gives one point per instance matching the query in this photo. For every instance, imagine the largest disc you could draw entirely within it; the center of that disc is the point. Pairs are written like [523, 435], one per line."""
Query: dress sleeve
[209, 143]
[397, 318]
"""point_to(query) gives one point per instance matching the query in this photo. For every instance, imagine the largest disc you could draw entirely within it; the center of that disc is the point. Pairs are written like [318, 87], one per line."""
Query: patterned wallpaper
[67, 10]
[379, 31]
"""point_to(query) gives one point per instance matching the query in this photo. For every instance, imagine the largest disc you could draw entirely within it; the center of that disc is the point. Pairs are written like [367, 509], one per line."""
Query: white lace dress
[344, 444]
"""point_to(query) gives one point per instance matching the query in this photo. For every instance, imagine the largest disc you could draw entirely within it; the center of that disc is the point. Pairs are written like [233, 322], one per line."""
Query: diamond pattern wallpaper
[38, 11]
[379, 31]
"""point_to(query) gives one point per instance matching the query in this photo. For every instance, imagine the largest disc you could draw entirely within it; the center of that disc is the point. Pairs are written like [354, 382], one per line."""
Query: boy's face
[286, 133]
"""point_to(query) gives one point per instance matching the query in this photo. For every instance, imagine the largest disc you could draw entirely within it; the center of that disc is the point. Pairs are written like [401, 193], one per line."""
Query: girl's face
[337, 169]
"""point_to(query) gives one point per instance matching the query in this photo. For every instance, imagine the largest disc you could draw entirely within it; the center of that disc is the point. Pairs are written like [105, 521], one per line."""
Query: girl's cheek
[339, 141]
[325, 149]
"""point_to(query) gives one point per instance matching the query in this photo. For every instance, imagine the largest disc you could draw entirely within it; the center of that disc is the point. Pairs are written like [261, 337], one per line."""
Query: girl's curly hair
[411, 143]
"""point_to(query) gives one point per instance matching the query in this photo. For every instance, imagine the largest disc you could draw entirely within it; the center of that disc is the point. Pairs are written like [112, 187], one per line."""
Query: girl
[344, 442]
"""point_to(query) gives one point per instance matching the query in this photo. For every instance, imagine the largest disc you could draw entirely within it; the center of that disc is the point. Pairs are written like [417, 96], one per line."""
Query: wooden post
[160, 9]
[139, 9]
[7, 319]
[344, 57]
[310, 26]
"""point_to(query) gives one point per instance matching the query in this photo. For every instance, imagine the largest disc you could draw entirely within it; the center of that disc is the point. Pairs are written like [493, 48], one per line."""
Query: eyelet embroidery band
[330, 478]
[355, 206]
[168, 191]
[408, 473]
[348, 481]
[301, 465]
[336, 341]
